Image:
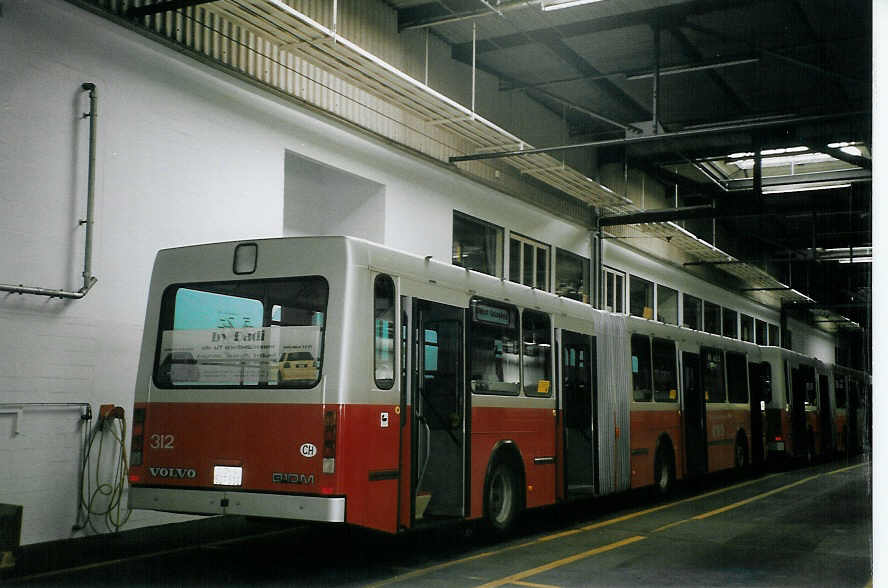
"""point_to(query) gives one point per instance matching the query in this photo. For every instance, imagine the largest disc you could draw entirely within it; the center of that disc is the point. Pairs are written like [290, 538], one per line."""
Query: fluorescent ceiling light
[854, 260]
[846, 147]
[767, 152]
[559, 4]
[802, 188]
[861, 250]
[800, 159]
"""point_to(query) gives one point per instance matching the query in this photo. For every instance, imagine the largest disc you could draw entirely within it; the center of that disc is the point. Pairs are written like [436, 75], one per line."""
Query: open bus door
[439, 411]
[694, 404]
[579, 390]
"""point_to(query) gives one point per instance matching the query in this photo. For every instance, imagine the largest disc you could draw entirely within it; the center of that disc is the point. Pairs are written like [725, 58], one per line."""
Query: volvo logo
[181, 473]
[307, 479]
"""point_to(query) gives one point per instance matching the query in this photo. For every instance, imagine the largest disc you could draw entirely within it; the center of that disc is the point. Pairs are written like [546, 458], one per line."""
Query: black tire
[664, 472]
[741, 454]
[502, 498]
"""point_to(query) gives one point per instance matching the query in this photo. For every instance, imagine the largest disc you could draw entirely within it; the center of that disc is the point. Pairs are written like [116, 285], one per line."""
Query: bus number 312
[162, 441]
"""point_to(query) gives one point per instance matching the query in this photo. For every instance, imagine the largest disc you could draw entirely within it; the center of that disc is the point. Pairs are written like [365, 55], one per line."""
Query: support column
[656, 93]
[597, 262]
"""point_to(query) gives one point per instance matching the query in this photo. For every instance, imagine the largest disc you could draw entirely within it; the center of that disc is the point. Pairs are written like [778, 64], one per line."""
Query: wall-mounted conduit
[88, 279]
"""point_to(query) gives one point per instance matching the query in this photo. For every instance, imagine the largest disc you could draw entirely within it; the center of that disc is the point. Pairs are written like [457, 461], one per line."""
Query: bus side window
[384, 332]
[713, 375]
[738, 386]
[495, 348]
[665, 371]
[536, 360]
[641, 369]
[766, 381]
[841, 392]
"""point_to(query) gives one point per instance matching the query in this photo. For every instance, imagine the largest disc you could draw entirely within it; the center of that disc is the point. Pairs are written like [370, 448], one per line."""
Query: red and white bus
[816, 410]
[333, 379]
[798, 421]
[852, 408]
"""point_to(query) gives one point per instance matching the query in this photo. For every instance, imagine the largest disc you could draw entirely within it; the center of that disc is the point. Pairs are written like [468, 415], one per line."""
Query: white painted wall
[321, 200]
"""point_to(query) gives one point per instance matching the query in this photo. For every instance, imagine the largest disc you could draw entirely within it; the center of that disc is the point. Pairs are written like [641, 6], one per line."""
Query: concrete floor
[802, 527]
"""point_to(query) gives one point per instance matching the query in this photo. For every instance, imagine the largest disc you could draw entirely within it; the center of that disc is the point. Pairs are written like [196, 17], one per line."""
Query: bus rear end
[230, 414]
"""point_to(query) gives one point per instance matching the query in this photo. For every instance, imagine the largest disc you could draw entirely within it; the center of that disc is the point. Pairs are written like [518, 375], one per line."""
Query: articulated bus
[333, 379]
[852, 408]
[815, 410]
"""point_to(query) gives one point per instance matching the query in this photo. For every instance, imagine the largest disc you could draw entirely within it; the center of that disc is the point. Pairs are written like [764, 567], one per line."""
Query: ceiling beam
[535, 96]
[715, 77]
[664, 14]
[718, 209]
[550, 38]
[152, 9]
[798, 62]
[584, 68]
[677, 135]
[584, 110]
[670, 70]
[846, 175]
[436, 13]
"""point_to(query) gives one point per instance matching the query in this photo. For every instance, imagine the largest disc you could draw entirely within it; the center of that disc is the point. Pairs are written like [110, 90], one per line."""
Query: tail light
[329, 461]
[138, 437]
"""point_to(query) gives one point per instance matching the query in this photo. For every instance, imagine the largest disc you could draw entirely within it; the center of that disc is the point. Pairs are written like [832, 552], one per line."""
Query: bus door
[757, 401]
[407, 424]
[439, 410]
[826, 432]
[578, 385]
[852, 439]
[694, 406]
[799, 426]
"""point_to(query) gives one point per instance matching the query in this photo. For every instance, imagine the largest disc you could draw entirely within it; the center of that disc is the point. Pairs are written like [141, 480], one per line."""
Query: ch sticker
[384, 420]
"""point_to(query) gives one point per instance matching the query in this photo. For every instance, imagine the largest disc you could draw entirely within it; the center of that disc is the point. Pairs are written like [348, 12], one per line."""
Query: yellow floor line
[712, 513]
[839, 471]
[670, 525]
[561, 562]
[532, 585]
[671, 504]
[447, 564]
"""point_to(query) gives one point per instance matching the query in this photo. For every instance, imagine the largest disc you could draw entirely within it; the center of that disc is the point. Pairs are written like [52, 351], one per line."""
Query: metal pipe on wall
[88, 279]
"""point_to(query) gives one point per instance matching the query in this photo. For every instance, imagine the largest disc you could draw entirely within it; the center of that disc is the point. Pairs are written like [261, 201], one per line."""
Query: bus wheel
[741, 454]
[664, 472]
[502, 498]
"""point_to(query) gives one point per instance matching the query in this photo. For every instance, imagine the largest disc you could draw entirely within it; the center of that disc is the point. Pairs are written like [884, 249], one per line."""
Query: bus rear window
[242, 334]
